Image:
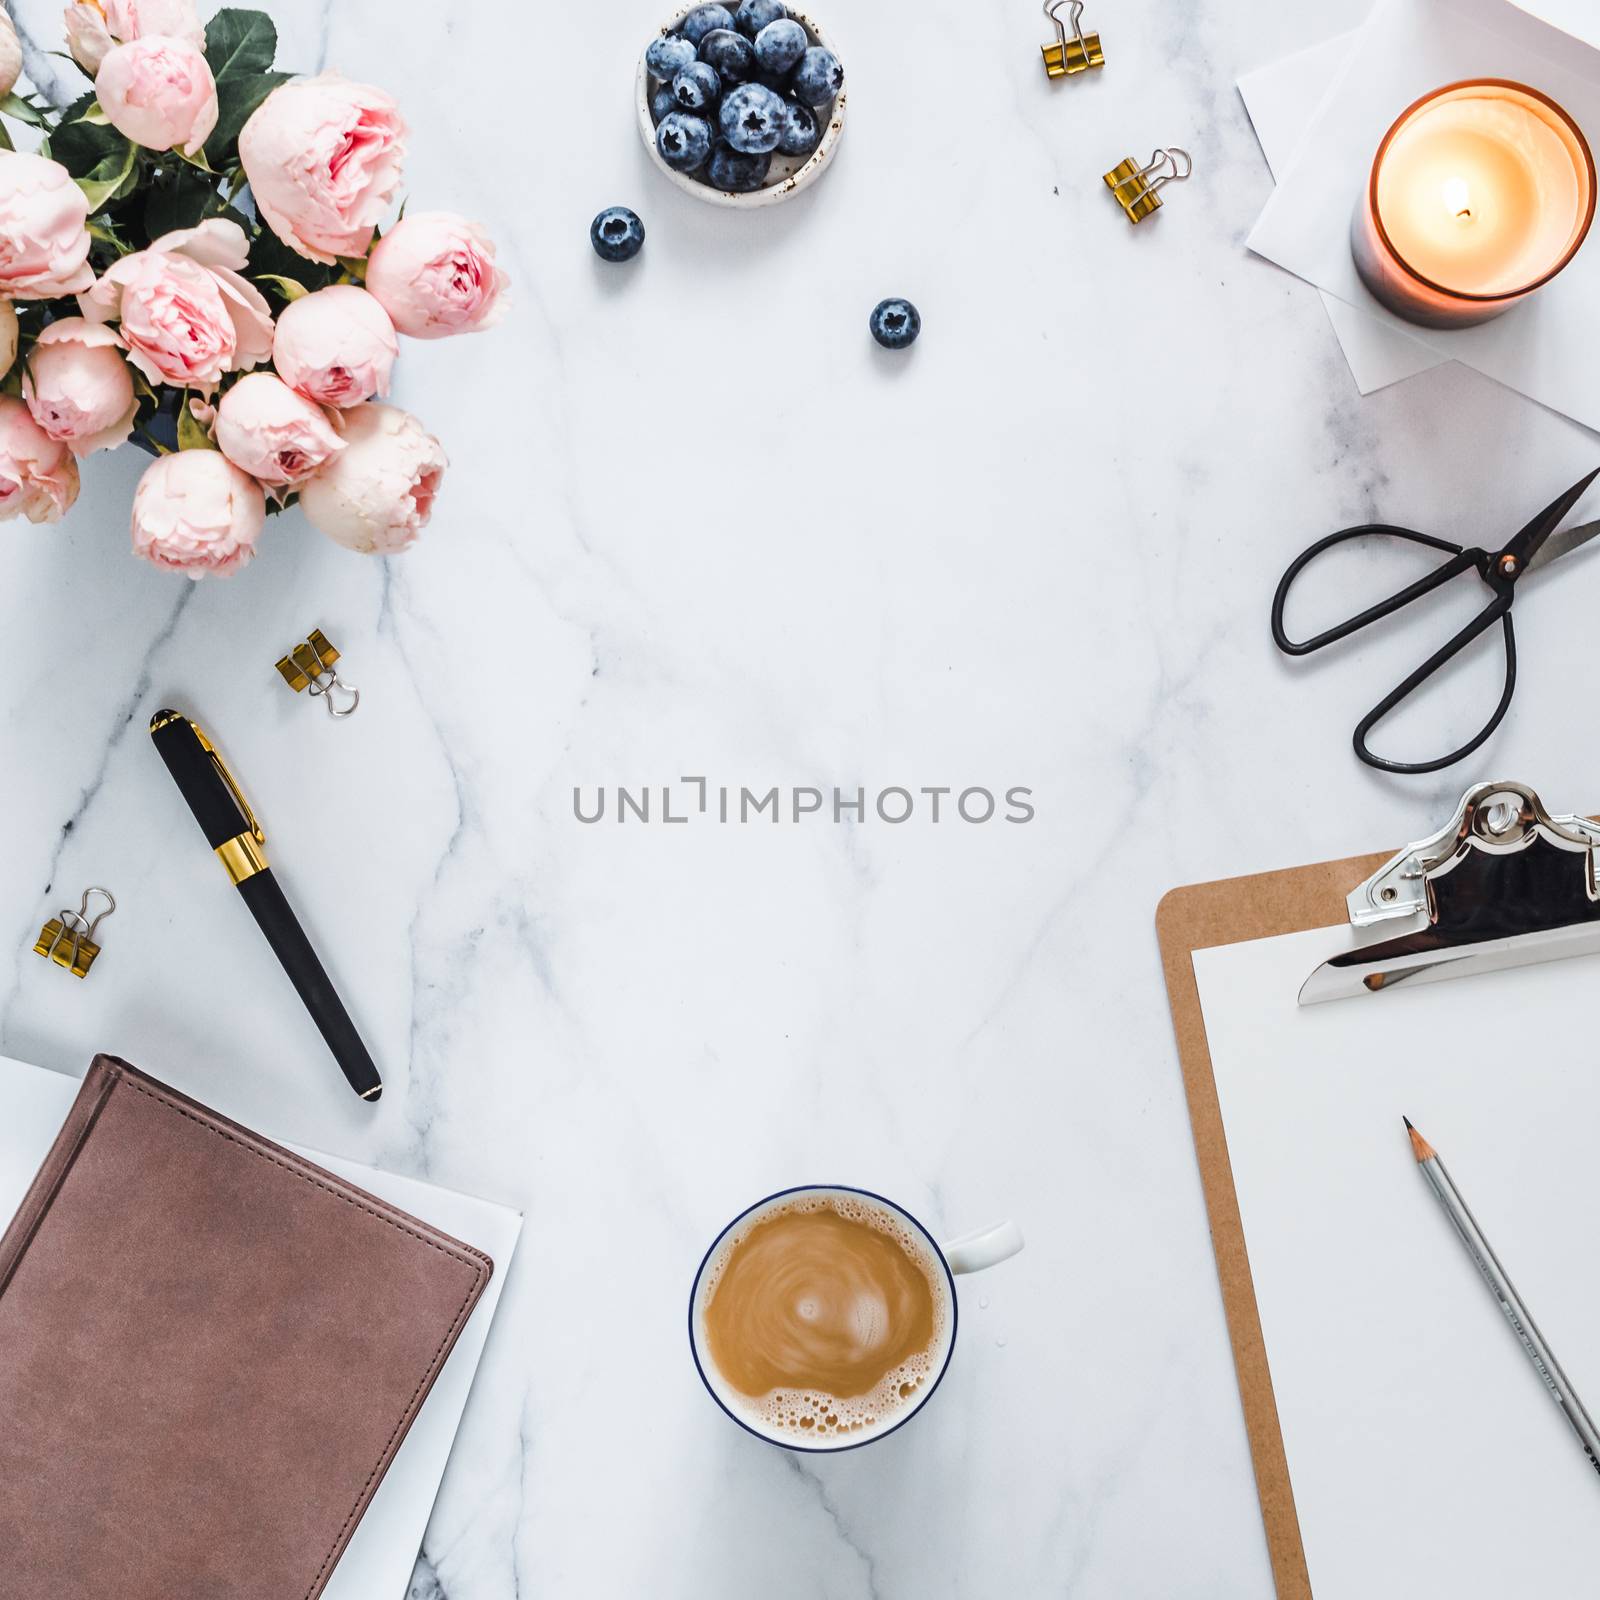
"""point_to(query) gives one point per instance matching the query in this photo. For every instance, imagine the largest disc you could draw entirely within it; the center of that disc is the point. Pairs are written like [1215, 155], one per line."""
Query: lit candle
[1479, 193]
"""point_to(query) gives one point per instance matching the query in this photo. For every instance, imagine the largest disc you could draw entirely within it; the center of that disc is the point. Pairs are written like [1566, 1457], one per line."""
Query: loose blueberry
[697, 87]
[703, 19]
[800, 134]
[780, 45]
[616, 234]
[751, 119]
[665, 57]
[819, 77]
[734, 171]
[895, 324]
[730, 53]
[753, 15]
[684, 141]
[662, 103]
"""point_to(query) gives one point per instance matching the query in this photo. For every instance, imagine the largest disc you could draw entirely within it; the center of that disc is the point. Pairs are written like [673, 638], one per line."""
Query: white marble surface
[697, 524]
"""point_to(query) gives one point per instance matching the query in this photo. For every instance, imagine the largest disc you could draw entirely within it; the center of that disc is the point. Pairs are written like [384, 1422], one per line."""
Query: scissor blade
[1563, 544]
[1525, 547]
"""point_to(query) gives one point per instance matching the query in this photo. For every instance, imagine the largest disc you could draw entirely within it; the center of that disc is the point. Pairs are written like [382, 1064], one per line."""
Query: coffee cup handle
[972, 1252]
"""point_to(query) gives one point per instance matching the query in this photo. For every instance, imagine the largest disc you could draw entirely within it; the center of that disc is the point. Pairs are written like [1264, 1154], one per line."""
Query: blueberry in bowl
[697, 87]
[684, 141]
[800, 133]
[780, 45]
[819, 77]
[751, 119]
[667, 55]
[740, 107]
[701, 20]
[753, 15]
[737, 171]
[733, 56]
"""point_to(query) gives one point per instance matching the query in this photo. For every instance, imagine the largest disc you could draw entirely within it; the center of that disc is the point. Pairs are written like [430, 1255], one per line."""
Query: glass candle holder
[1479, 193]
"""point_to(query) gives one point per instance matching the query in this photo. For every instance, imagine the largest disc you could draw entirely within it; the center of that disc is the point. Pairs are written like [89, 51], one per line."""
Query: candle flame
[1458, 199]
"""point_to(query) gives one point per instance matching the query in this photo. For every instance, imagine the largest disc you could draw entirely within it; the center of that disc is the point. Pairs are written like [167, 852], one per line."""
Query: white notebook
[1426, 1456]
[378, 1562]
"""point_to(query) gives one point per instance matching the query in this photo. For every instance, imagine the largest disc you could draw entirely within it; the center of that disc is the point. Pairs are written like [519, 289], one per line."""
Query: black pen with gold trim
[231, 829]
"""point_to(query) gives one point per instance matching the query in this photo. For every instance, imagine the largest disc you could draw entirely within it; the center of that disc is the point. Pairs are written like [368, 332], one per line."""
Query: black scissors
[1500, 570]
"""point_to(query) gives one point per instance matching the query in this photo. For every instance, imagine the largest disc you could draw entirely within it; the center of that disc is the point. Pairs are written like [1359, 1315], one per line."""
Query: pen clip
[233, 787]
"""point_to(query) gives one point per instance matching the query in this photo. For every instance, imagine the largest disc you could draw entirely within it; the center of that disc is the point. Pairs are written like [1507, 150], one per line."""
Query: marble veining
[696, 523]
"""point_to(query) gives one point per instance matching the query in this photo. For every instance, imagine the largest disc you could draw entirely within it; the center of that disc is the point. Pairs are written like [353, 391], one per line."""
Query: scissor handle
[1498, 610]
[1460, 561]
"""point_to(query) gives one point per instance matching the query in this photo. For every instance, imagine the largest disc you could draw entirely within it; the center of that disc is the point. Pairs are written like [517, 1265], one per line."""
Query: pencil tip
[1406, 1120]
[1420, 1147]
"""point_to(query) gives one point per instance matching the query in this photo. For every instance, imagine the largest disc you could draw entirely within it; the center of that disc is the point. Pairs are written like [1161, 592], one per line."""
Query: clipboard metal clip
[1503, 884]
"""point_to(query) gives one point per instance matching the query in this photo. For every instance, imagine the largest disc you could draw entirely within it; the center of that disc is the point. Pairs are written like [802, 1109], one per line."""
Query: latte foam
[824, 1315]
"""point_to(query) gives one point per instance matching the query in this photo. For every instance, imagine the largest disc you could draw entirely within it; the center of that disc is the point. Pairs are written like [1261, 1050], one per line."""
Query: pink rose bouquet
[206, 256]
[38, 474]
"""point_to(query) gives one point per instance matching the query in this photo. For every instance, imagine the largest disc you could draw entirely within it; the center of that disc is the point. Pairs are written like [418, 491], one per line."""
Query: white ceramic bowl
[789, 175]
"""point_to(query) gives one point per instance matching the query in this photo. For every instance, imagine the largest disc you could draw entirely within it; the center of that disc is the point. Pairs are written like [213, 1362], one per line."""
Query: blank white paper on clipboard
[1425, 1453]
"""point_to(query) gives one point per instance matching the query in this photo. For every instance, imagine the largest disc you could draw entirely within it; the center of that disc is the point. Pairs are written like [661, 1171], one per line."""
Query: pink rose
[94, 26]
[10, 54]
[44, 237]
[78, 387]
[275, 434]
[186, 315]
[134, 19]
[159, 92]
[196, 513]
[38, 476]
[323, 158]
[435, 274]
[377, 494]
[336, 346]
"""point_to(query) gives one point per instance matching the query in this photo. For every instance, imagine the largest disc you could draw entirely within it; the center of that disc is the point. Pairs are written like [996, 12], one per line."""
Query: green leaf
[183, 197]
[237, 100]
[96, 116]
[287, 287]
[177, 199]
[271, 257]
[5, 140]
[191, 435]
[13, 105]
[109, 179]
[103, 231]
[240, 43]
[240, 46]
[80, 145]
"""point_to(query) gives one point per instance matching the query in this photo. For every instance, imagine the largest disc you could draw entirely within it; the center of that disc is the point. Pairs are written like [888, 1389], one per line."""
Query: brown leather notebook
[210, 1351]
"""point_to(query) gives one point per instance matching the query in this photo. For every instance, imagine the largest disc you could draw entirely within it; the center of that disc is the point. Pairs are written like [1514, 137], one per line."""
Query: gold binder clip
[1071, 53]
[68, 937]
[310, 666]
[1135, 186]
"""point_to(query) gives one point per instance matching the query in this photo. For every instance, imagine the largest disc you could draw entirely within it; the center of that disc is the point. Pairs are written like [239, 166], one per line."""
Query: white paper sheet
[377, 1563]
[1426, 1455]
[1282, 101]
[1547, 347]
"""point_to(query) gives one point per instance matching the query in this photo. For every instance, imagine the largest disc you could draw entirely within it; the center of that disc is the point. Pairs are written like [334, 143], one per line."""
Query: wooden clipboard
[1236, 911]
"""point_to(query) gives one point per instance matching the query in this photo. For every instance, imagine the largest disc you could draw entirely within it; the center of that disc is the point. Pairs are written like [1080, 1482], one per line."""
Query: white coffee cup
[972, 1252]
